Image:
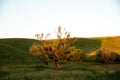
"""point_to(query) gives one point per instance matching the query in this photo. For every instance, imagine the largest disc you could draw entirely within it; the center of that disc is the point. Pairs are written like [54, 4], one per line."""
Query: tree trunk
[58, 65]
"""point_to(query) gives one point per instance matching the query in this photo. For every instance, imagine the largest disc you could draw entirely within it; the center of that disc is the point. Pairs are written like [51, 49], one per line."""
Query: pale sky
[82, 18]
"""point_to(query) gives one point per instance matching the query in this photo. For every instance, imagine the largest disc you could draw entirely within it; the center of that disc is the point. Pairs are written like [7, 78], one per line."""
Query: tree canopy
[58, 50]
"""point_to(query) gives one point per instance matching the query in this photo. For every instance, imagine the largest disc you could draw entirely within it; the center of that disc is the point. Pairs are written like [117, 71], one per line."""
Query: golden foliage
[106, 55]
[56, 50]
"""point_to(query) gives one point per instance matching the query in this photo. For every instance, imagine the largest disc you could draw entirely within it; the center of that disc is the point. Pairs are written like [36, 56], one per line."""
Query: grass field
[17, 64]
[73, 71]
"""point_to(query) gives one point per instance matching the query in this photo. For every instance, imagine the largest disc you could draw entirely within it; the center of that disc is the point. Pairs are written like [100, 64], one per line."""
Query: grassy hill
[20, 43]
[17, 64]
[16, 50]
[88, 44]
[110, 42]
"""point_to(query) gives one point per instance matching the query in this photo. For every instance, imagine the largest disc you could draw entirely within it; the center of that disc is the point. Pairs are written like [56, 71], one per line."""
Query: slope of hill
[20, 43]
[88, 44]
[110, 42]
[12, 54]
[16, 50]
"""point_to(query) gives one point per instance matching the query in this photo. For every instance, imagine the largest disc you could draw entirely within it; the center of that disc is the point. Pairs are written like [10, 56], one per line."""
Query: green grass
[92, 44]
[73, 71]
[10, 54]
[17, 64]
[88, 44]
[20, 43]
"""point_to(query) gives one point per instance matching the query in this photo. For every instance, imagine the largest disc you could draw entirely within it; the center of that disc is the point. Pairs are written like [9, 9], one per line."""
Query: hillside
[110, 42]
[20, 43]
[11, 51]
[88, 44]
[16, 50]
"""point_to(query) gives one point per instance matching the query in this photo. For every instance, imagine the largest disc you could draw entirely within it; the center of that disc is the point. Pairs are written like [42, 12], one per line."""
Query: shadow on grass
[3, 74]
[88, 45]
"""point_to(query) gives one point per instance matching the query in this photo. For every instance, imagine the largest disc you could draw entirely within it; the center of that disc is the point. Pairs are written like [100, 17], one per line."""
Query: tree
[57, 50]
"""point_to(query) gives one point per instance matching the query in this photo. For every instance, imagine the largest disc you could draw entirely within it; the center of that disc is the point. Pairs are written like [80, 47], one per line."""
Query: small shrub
[106, 55]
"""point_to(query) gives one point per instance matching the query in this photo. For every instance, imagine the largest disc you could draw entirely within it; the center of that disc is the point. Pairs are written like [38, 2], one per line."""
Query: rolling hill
[110, 42]
[16, 50]
[90, 45]
[20, 43]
